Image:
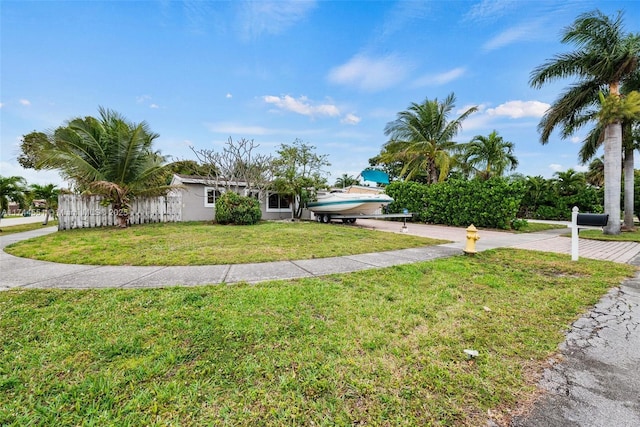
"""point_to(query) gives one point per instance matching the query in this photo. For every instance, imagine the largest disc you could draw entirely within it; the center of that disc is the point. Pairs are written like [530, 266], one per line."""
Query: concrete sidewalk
[27, 273]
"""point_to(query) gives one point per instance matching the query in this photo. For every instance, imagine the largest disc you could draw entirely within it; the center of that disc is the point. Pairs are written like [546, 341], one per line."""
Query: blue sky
[331, 73]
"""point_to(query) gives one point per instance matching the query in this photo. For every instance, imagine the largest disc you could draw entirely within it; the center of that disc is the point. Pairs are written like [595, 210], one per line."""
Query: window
[210, 196]
[252, 193]
[277, 203]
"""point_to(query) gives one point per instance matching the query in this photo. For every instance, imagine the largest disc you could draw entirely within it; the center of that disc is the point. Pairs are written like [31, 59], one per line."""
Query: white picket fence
[76, 211]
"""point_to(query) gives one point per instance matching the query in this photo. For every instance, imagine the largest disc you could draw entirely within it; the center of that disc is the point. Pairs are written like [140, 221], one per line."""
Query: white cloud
[370, 74]
[439, 79]
[302, 106]
[228, 96]
[519, 109]
[576, 139]
[271, 17]
[25, 102]
[489, 9]
[1, 104]
[350, 119]
[523, 32]
[555, 167]
[581, 168]
[154, 106]
[143, 99]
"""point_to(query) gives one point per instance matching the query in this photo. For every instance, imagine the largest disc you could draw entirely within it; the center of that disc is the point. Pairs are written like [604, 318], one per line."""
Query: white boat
[348, 203]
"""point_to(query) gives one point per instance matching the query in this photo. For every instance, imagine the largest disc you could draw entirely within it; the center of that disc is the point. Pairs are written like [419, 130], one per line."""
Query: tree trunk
[612, 175]
[628, 188]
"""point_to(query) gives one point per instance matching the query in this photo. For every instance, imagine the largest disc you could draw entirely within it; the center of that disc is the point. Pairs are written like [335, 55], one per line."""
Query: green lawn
[377, 347]
[207, 244]
[533, 227]
[625, 236]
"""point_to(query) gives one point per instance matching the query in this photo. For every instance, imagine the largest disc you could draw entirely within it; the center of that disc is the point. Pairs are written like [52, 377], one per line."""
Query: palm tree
[489, 155]
[605, 57]
[12, 188]
[626, 111]
[48, 193]
[346, 181]
[569, 182]
[422, 138]
[109, 156]
[595, 173]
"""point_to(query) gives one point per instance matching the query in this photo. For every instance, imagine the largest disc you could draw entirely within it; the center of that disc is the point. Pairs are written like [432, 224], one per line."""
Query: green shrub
[490, 203]
[232, 208]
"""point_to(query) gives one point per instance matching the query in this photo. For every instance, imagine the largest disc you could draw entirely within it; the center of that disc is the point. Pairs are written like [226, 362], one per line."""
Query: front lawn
[198, 243]
[376, 347]
[625, 236]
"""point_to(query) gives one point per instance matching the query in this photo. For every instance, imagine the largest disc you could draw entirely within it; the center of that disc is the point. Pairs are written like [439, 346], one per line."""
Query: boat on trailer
[348, 205]
[355, 202]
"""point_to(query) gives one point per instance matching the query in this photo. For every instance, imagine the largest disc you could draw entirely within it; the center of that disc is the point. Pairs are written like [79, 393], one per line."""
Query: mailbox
[592, 220]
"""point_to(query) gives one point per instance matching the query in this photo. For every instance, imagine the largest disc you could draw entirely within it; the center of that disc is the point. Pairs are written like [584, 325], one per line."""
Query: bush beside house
[232, 208]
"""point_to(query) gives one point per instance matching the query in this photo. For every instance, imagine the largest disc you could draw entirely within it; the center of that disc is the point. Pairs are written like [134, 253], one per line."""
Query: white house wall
[194, 209]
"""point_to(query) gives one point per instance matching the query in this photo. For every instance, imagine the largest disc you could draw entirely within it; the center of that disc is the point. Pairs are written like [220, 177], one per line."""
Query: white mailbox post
[587, 221]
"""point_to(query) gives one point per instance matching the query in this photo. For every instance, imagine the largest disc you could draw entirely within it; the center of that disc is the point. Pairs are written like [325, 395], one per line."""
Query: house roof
[203, 180]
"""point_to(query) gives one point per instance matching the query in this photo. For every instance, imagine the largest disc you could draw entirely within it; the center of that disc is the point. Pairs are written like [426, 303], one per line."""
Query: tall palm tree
[48, 193]
[109, 156]
[605, 56]
[422, 138]
[489, 155]
[12, 188]
[626, 111]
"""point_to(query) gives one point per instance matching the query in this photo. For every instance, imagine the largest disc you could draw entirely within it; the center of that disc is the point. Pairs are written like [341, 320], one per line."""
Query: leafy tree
[236, 166]
[48, 193]
[12, 188]
[346, 181]
[30, 147]
[298, 174]
[422, 138]
[110, 156]
[489, 156]
[188, 167]
[605, 56]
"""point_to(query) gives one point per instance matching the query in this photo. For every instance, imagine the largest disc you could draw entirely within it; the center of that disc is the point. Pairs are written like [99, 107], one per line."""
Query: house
[199, 196]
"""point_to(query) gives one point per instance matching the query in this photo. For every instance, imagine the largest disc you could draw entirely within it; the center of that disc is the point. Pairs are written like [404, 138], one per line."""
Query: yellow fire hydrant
[472, 236]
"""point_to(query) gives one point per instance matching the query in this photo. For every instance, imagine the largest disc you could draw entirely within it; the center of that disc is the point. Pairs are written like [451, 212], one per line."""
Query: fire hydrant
[472, 236]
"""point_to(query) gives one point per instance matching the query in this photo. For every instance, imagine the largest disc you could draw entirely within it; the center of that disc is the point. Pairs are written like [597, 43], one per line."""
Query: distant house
[199, 196]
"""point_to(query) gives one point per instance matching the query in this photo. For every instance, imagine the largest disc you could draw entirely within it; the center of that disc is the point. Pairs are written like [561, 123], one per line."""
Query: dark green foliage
[239, 210]
[408, 195]
[553, 199]
[492, 203]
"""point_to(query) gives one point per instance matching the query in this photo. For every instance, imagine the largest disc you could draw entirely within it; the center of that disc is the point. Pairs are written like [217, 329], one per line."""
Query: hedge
[493, 203]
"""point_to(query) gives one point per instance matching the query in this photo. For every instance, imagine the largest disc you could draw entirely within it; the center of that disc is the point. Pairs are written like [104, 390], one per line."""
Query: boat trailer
[327, 217]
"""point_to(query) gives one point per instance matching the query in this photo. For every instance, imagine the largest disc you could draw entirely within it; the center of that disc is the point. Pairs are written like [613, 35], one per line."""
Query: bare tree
[237, 166]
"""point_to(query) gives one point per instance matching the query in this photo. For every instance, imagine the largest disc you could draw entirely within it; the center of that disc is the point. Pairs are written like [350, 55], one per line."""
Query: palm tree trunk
[628, 188]
[612, 175]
